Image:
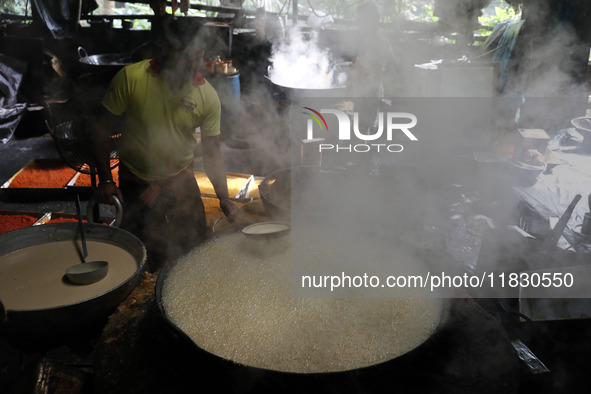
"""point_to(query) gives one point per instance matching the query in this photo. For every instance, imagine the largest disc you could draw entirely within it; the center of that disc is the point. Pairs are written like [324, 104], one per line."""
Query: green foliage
[270, 5]
[15, 7]
[419, 10]
[501, 15]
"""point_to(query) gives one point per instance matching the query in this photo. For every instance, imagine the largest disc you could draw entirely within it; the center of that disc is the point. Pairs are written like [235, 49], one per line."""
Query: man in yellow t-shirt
[164, 100]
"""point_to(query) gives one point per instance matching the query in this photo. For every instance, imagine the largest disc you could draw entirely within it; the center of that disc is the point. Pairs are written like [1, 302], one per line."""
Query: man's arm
[215, 169]
[102, 149]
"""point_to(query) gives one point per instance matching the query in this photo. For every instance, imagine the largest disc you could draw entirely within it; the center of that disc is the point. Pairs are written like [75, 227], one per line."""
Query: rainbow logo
[317, 117]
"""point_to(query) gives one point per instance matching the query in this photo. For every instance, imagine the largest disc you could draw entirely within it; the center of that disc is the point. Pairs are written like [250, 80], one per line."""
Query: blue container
[228, 89]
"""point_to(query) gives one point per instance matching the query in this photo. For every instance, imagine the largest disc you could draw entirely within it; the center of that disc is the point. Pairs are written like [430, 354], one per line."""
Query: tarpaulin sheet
[555, 190]
[11, 75]
[61, 16]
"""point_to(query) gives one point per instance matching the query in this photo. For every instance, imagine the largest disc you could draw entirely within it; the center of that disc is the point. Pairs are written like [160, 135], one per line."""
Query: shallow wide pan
[71, 317]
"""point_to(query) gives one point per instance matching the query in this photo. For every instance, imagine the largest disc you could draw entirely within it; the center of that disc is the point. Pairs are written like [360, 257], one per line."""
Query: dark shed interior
[477, 157]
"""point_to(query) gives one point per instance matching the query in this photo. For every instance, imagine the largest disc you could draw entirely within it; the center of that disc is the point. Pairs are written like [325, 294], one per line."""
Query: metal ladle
[87, 272]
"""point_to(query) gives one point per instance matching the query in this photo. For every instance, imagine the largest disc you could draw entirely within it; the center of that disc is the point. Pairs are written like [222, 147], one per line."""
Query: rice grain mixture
[239, 306]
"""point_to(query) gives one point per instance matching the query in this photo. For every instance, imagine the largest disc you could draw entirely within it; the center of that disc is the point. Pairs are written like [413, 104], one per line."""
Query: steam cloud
[300, 62]
[415, 182]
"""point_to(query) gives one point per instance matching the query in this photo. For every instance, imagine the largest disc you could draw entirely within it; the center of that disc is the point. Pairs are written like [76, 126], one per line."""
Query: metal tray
[562, 303]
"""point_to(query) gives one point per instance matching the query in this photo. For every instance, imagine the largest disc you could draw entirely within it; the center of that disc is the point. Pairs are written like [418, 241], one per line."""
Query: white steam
[300, 63]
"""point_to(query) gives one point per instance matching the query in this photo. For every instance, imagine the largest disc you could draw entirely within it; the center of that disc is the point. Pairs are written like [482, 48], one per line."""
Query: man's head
[179, 46]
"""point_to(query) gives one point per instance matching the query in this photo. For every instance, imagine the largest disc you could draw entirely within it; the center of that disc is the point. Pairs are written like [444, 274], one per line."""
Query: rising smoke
[299, 62]
[456, 120]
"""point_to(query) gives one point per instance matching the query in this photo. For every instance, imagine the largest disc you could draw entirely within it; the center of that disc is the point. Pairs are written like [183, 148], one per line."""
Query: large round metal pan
[116, 60]
[103, 66]
[230, 376]
[294, 92]
[62, 320]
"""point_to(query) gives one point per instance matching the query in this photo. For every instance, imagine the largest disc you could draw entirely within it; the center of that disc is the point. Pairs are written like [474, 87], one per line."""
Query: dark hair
[178, 34]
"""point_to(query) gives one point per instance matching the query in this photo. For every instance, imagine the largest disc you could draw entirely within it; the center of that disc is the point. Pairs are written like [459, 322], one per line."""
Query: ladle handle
[81, 228]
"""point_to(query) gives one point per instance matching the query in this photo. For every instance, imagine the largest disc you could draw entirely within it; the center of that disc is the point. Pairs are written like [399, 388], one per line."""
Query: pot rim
[118, 60]
[50, 229]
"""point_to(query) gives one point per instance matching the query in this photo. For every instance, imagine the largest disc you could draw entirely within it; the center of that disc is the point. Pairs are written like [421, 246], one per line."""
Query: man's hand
[105, 192]
[228, 207]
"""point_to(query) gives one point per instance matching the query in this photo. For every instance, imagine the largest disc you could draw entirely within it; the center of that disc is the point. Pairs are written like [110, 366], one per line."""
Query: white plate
[266, 228]
[524, 166]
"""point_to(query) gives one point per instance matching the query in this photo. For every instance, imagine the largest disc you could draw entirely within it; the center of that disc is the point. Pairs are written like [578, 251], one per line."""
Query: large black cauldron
[230, 376]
